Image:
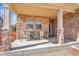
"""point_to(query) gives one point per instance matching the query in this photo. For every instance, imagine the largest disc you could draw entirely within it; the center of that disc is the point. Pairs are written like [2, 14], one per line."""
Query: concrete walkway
[40, 48]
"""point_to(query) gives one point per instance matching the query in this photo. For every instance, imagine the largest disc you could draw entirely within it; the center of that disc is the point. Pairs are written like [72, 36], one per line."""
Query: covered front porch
[38, 22]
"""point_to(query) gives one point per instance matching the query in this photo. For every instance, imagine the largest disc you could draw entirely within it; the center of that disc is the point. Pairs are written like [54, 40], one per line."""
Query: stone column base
[60, 36]
[6, 42]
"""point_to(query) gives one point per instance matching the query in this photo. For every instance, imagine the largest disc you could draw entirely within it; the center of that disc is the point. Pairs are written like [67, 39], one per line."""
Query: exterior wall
[45, 26]
[55, 27]
[71, 25]
[21, 24]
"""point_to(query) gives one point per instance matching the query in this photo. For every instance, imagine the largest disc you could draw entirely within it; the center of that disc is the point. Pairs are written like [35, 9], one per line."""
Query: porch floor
[34, 44]
[17, 44]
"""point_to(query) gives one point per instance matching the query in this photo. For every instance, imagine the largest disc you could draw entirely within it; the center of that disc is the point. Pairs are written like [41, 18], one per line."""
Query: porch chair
[36, 35]
[26, 34]
[46, 35]
[41, 34]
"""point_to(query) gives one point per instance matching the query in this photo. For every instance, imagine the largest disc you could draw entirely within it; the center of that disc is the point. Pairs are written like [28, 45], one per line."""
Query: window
[38, 24]
[30, 23]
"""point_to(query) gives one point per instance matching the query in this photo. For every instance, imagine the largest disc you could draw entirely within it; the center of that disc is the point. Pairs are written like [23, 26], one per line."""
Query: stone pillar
[6, 43]
[17, 28]
[20, 27]
[60, 29]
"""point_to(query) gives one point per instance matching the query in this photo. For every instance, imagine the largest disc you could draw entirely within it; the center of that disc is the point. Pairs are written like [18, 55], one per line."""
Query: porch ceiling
[44, 9]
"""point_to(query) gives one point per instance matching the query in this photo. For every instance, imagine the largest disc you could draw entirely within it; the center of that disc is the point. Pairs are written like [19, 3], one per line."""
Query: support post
[60, 29]
[6, 43]
[17, 28]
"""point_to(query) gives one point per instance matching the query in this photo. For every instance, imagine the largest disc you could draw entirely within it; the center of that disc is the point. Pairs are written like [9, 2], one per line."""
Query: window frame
[28, 20]
[37, 23]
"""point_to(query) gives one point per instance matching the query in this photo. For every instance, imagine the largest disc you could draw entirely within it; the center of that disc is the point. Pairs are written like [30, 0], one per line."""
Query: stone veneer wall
[55, 27]
[21, 24]
[71, 25]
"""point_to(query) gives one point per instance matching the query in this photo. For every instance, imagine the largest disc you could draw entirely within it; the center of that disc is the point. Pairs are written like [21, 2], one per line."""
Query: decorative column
[60, 29]
[17, 28]
[20, 26]
[6, 43]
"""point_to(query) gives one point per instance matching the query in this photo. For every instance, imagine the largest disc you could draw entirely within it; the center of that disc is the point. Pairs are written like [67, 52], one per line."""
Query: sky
[12, 14]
